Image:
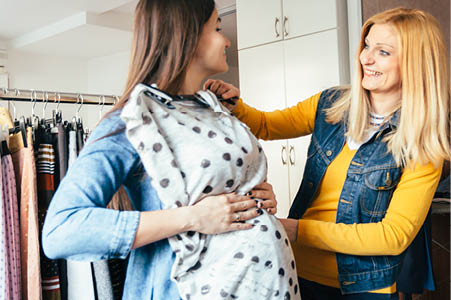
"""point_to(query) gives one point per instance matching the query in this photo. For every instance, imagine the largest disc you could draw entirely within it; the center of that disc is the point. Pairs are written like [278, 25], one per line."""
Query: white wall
[50, 73]
[107, 74]
[47, 72]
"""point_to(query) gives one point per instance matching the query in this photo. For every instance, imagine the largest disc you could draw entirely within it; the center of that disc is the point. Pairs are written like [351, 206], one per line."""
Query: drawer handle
[285, 26]
[292, 156]
[276, 22]
[283, 154]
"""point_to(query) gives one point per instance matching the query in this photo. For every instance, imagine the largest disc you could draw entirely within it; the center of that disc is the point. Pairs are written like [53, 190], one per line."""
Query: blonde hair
[423, 133]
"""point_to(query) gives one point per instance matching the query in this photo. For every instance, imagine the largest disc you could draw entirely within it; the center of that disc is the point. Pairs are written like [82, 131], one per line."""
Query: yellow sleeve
[404, 217]
[291, 122]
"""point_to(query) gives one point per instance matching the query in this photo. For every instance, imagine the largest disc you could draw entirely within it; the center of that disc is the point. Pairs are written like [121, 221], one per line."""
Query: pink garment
[5, 282]
[9, 197]
[25, 171]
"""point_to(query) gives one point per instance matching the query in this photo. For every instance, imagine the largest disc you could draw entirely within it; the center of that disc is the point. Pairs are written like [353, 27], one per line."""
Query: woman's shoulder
[335, 92]
[331, 95]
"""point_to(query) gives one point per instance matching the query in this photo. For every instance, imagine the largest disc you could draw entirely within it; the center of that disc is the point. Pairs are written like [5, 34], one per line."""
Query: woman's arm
[291, 122]
[214, 214]
[404, 217]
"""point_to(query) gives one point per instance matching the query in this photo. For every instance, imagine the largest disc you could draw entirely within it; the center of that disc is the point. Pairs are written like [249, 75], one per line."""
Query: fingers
[245, 215]
[265, 192]
[219, 87]
[243, 205]
[262, 194]
[240, 226]
[242, 208]
[271, 208]
[213, 85]
[207, 84]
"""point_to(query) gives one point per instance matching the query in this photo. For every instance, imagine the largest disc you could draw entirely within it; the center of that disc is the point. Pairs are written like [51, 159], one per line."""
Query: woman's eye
[385, 53]
[218, 29]
[365, 46]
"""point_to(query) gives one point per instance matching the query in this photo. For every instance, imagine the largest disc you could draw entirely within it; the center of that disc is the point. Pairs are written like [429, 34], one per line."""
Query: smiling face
[210, 57]
[380, 63]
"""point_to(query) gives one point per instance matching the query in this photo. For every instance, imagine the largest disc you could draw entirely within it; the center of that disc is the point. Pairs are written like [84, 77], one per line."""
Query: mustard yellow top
[319, 237]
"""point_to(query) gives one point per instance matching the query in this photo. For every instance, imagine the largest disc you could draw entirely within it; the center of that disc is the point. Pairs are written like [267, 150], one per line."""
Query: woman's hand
[222, 213]
[291, 227]
[265, 192]
[223, 89]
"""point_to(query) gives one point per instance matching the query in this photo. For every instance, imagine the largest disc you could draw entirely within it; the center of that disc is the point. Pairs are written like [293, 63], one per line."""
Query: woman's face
[210, 57]
[380, 62]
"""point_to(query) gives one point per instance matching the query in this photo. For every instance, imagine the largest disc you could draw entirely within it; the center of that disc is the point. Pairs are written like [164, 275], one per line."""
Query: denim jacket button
[310, 184]
[328, 153]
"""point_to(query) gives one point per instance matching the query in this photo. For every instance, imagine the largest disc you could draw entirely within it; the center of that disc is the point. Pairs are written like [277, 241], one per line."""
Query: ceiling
[82, 28]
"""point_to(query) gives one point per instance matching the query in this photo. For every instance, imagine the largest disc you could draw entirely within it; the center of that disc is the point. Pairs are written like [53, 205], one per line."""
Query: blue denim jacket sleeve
[78, 226]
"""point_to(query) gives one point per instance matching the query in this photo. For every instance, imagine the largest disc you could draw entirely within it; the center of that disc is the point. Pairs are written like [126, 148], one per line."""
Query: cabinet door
[305, 16]
[262, 85]
[297, 156]
[312, 67]
[258, 22]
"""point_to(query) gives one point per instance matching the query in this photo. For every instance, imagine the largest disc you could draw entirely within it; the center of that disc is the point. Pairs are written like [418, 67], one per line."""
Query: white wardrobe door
[305, 17]
[258, 22]
[262, 85]
[312, 66]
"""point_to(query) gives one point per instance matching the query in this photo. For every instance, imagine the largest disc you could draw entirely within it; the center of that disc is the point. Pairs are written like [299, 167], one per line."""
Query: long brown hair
[165, 37]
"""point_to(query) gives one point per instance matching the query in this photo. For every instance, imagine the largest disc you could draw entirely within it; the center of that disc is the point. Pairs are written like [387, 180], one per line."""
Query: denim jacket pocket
[313, 147]
[378, 188]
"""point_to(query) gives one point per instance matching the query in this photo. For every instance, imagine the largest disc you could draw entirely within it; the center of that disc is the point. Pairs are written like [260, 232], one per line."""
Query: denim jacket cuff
[125, 233]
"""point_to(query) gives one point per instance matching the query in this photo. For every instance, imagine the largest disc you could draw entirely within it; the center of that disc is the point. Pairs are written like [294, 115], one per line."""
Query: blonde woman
[374, 161]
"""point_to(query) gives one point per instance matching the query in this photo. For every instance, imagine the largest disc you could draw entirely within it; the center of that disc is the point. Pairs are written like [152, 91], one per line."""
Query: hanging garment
[25, 174]
[25, 171]
[45, 174]
[102, 280]
[72, 152]
[9, 197]
[62, 150]
[193, 152]
[79, 273]
[80, 137]
[59, 142]
[5, 272]
[117, 269]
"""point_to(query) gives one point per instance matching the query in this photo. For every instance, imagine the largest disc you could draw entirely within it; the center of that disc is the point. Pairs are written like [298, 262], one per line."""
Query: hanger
[77, 115]
[57, 115]
[45, 97]
[101, 105]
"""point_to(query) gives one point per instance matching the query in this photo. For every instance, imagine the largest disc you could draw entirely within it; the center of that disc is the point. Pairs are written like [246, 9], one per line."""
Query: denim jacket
[78, 226]
[371, 179]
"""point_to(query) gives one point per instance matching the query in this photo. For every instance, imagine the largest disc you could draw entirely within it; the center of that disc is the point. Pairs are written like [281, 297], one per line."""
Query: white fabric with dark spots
[190, 152]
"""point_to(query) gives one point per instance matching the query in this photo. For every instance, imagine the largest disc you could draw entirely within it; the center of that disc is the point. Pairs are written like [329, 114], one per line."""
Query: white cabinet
[281, 73]
[262, 83]
[305, 16]
[260, 21]
[265, 21]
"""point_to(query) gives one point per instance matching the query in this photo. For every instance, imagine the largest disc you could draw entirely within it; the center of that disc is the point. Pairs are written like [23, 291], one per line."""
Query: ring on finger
[237, 217]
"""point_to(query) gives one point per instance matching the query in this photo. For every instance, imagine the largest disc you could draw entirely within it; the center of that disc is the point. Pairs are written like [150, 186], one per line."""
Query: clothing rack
[56, 97]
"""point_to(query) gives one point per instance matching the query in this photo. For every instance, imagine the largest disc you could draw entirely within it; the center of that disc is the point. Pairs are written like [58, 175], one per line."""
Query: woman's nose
[228, 43]
[366, 57]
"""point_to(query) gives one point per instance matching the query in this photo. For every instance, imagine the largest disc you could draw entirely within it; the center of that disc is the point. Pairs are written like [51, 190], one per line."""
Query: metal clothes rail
[56, 97]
